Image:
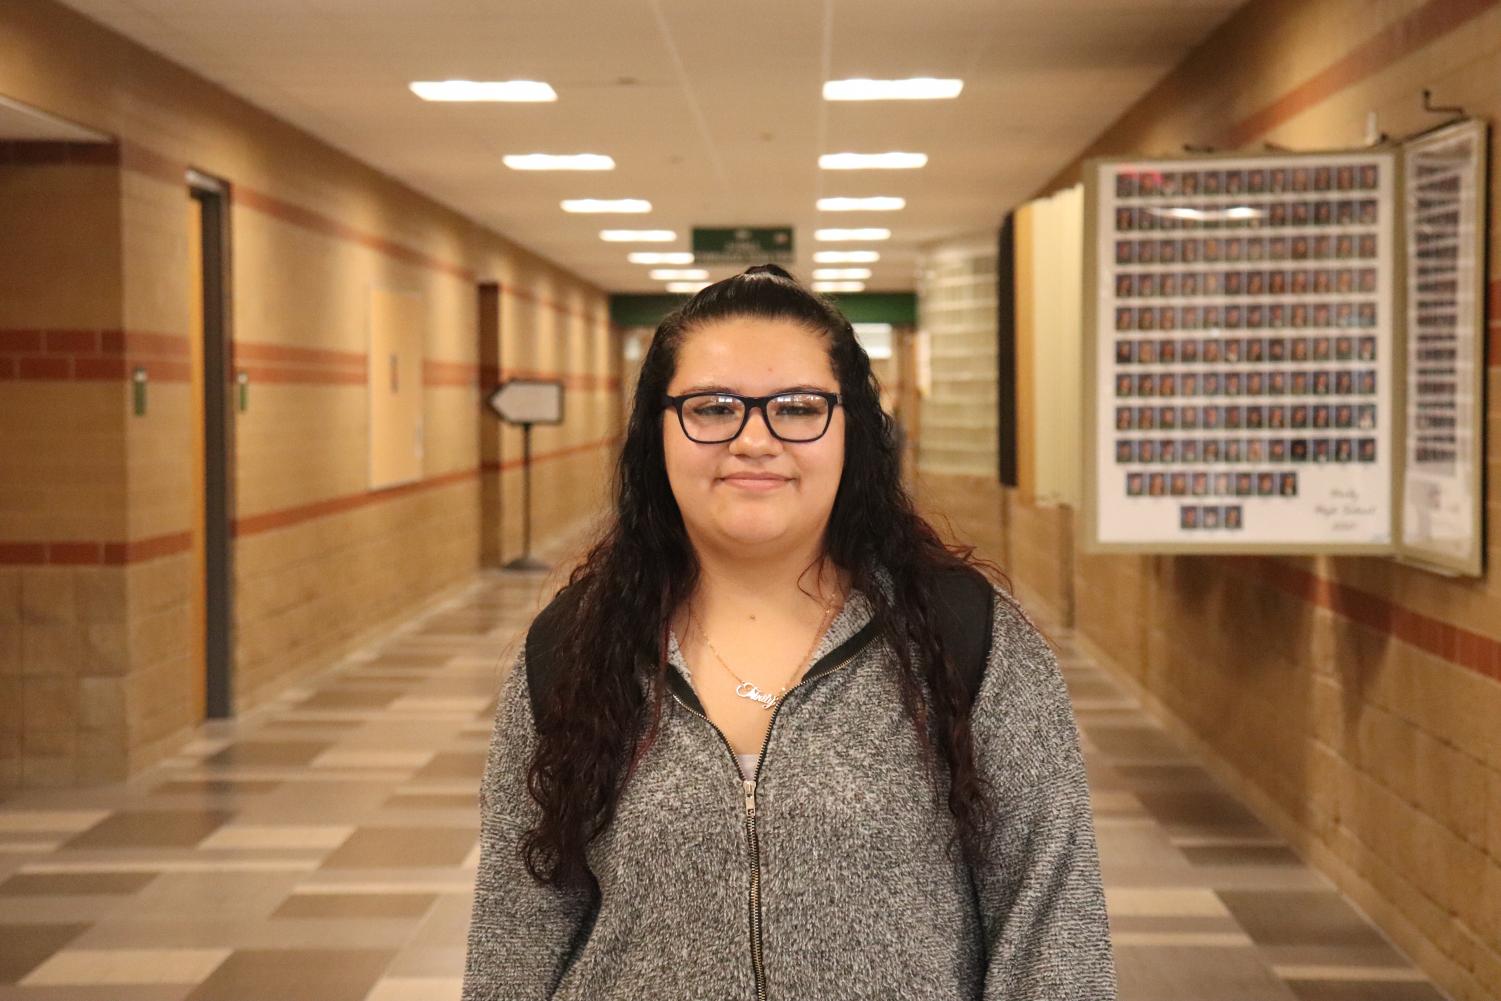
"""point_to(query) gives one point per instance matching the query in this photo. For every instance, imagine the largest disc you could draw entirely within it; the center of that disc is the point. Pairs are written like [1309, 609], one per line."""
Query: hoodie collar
[851, 628]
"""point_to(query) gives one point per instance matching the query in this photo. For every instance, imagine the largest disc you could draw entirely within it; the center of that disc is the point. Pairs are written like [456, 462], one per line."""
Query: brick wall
[1356, 702]
[100, 665]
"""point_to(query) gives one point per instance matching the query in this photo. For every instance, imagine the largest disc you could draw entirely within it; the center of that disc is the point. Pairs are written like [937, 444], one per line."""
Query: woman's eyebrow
[707, 388]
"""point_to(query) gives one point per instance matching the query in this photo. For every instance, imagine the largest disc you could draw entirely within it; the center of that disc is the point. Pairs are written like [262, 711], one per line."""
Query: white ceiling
[713, 111]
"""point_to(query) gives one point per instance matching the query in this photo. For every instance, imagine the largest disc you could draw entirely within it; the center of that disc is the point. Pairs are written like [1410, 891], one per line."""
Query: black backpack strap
[964, 612]
[542, 639]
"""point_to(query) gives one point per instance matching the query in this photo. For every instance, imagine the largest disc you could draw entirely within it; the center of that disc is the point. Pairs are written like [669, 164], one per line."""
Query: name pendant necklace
[748, 690]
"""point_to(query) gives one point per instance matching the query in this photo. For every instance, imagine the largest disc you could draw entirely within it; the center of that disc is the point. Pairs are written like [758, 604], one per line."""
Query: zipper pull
[750, 797]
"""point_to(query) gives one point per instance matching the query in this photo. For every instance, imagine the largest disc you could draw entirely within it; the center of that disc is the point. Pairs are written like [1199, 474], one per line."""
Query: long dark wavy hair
[594, 723]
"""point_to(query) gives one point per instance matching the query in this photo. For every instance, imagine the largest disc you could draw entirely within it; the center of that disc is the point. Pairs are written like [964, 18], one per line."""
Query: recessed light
[674, 274]
[846, 257]
[841, 272]
[606, 205]
[483, 90]
[654, 257]
[877, 203]
[637, 235]
[839, 286]
[559, 161]
[689, 287]
[836, 235]
[872, 161]
[923, 88]
[867, 328]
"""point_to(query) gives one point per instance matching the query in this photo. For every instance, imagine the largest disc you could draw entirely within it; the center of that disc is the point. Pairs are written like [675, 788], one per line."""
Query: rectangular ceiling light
[877, 203]
[677, 274]
[836, 235]
[872, 161]
[839, 286]
[559, 161]
[637, 235]
[845, 257]
[655, 257]
[871, 328]
[689, 287]
[606, 205]
[921, 88]
[481, 90]
[841, 272]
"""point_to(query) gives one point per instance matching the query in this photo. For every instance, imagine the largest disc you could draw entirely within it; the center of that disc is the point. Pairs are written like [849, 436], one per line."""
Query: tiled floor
[323, 849]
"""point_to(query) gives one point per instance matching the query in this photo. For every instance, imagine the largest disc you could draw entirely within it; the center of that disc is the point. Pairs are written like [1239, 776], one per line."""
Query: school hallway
[323, 848]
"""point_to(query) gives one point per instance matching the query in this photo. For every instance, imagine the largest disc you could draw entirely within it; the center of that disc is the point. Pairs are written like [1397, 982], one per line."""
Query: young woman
[745, 767]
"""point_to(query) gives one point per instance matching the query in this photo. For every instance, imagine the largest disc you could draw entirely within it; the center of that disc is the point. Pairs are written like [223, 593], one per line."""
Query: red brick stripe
[86, 553]
[557, 453]
[1468, 649]
[1397, 40]
[110, 356]
[73, 355]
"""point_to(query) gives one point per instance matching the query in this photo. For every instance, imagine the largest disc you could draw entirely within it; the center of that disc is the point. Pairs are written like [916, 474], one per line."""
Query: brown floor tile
[350, 698]
[402, 847]
[1282, 917]
[268, 752]
[151, 829]
[1213, 855]
[25, 947]
[1201, 809]
[435, 801]
[74, 883]
[355, 905]
[1362, 990]
[454, 765]
[293, 975]
[181, 787]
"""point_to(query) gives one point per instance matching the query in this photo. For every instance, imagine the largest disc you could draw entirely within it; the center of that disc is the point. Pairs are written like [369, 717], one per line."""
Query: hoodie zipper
[758, 965]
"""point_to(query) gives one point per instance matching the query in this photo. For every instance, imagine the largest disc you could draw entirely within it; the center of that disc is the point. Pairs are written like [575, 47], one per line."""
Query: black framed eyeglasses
[713, 418]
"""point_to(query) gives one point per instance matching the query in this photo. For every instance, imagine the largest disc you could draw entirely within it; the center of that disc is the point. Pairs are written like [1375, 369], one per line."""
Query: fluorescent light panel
[838, 235]
[637, 235]
[559, 161]
[872, 328]
[689, 287]
[923, 88]
[872, 161]
[876, 203]
[483, 90]
[845, 257]
[828, 273]
[839, 286]
[606, 205]
[656, 257]
[676, 274]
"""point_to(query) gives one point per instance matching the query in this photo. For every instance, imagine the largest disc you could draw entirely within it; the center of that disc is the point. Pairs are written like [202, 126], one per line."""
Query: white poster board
[1445, 205]
[1241, 323]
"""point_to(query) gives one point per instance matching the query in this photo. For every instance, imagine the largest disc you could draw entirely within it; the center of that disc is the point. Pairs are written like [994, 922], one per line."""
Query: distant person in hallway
[775, 739]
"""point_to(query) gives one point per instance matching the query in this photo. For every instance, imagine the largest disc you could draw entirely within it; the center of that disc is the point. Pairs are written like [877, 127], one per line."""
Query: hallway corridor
[323, 849]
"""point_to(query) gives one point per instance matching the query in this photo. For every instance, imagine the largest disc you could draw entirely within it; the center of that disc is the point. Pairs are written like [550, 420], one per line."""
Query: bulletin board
[394, 381]
[1242, 324]
[1444, 201]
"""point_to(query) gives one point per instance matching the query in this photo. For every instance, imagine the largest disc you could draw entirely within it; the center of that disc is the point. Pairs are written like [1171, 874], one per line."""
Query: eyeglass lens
[794, 416]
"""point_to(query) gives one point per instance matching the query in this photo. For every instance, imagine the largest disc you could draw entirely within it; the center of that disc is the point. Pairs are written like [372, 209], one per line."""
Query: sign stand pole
[526, 561]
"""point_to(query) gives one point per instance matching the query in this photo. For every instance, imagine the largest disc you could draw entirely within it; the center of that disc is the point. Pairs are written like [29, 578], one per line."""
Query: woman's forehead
[753, 355]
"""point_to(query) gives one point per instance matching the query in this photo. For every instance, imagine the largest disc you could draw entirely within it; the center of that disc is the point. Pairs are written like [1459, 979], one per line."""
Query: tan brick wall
[1373, 742]
[98, 662]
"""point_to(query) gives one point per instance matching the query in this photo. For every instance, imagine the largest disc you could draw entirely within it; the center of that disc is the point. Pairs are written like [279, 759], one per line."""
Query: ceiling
[712, 111]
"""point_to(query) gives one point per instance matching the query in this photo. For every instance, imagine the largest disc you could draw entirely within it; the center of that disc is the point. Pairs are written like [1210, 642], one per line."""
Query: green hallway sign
[743, 245]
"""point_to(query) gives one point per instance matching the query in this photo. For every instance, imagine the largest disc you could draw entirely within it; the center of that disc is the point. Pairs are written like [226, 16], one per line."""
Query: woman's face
[753, 357]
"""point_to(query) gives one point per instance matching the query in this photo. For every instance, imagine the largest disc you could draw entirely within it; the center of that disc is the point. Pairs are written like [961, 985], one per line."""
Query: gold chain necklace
[748, 690]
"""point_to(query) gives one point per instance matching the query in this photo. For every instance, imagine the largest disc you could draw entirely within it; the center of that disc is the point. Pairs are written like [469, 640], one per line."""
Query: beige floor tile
[125, 966]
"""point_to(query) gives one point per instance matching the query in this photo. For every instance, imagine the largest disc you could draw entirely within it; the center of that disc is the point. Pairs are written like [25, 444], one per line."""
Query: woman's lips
[754, 482]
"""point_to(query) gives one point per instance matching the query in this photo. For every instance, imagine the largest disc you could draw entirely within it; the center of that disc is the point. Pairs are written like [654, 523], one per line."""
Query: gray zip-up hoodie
[823, 878]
